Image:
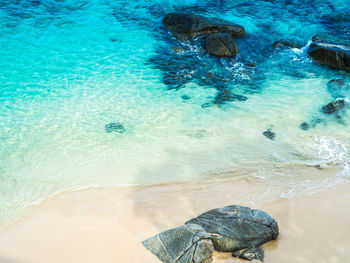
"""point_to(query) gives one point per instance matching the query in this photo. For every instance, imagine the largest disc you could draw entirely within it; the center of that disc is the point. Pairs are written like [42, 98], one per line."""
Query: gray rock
[186, 26]
[221, 45]
[236, 227]
[228, 229]
[332, 55]
[184, 244]
[253, 253]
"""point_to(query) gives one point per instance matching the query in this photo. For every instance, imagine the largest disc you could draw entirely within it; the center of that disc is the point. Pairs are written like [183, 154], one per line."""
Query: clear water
[70, 67]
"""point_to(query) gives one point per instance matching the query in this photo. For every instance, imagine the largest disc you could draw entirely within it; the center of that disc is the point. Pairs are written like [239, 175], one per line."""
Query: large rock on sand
[332, 55]
[228, 229]
[221, 45]
[185, 26]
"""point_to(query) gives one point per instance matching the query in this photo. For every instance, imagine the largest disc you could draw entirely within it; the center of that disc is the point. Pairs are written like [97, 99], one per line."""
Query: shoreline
[108, 224]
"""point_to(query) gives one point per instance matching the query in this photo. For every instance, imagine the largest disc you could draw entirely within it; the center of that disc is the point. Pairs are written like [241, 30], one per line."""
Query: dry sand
[107, 224]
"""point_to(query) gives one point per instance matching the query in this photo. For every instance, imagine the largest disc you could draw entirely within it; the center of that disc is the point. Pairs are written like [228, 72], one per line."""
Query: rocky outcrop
[221, 45]
[227, 229]
[186, 26]
[332, 55]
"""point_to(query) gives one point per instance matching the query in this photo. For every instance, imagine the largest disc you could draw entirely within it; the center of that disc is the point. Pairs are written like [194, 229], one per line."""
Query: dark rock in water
[332, 55]
[269, 134]
[229, 229]
[253, 253]
[338, 88]
[335, 84]
[185, 97]
[186, 26]
[225, 95]
[206, 105]
[115, 127]
[221, 45]
[334, 107]
[304, 126]
[284, 44]
[236, 253]
[312, 124]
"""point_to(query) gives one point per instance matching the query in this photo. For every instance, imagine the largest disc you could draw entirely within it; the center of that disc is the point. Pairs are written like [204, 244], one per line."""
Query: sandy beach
[108, 224]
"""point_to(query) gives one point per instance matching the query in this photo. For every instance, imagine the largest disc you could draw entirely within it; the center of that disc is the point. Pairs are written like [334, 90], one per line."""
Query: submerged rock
[338, 88]
[176, 80]
[221, 45]
[253, 253]
[269, 134]
[206, 105]
[185, 97]
[227, 229]
[114, 127]
[334, 107]
[186, 26]
[284, 44]
[225, 95]
[304, 126]
[332, 55]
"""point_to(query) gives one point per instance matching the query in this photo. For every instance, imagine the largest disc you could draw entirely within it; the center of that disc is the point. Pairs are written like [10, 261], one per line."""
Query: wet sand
[107, 224]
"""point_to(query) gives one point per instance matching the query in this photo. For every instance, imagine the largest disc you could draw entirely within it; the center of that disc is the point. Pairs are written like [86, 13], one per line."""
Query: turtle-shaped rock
[228, 229]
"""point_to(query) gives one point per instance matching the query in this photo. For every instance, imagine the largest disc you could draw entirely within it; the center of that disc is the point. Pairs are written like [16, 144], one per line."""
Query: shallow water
[68, 68]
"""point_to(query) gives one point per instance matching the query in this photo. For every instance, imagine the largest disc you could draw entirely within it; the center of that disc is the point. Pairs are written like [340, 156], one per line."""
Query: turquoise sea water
[68, 68]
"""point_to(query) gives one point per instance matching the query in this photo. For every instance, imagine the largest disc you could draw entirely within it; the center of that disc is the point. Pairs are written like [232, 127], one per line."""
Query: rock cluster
[218, 38]
[219, 34]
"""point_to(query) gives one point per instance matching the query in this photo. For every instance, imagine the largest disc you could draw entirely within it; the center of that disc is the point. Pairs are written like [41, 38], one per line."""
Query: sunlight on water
[69, 68]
